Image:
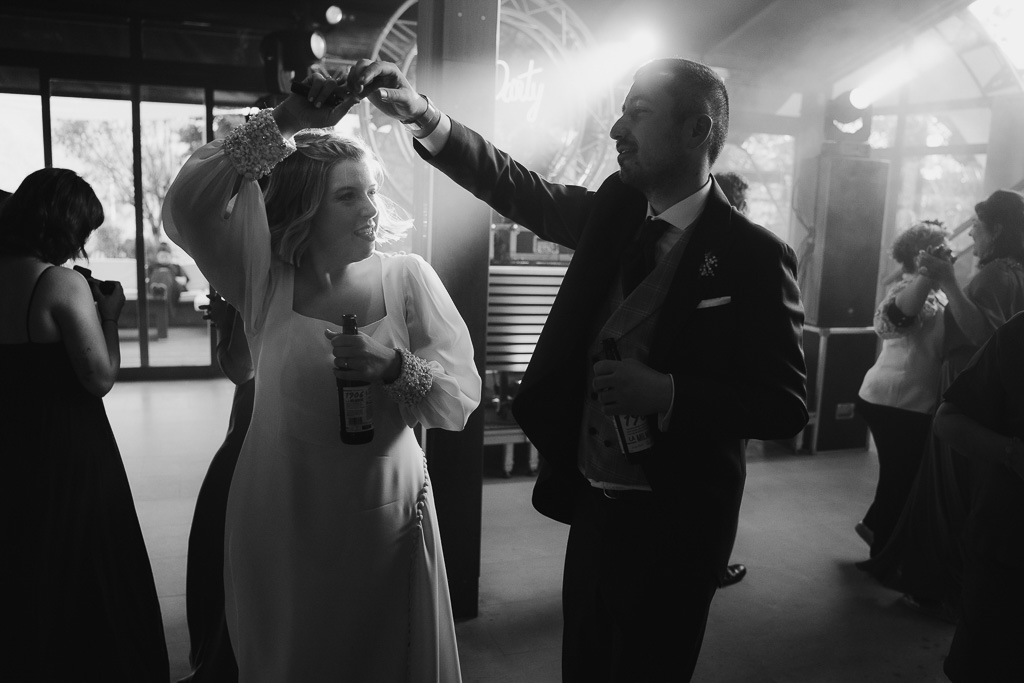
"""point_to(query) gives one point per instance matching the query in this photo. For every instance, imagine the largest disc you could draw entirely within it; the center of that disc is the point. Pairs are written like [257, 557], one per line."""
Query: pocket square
[711, 303]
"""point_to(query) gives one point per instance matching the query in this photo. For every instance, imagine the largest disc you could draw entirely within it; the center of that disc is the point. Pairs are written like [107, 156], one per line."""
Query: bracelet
[898, 317]
[257, 145]
[424, 124]
[414, 381]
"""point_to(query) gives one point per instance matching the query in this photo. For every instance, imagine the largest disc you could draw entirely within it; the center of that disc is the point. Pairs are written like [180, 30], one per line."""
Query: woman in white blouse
[900, 392]
[333, 564]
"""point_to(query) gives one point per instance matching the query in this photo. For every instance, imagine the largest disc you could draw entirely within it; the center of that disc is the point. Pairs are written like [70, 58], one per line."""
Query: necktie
[639, 259]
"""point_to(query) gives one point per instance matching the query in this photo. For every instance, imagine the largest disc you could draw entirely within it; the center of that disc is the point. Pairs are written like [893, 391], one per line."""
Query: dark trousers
[901, 437]
[634, 602]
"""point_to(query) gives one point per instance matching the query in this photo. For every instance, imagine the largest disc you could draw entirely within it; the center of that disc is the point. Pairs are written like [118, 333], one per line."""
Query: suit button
[608, 444]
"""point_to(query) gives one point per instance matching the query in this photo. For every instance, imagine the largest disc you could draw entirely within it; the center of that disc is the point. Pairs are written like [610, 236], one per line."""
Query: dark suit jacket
[738, 368]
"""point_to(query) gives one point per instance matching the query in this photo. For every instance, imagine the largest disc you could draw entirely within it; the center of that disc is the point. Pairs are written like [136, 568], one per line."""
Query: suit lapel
[689, 285]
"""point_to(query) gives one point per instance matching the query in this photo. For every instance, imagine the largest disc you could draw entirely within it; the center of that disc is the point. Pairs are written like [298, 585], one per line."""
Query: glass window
[171, 131]
[93, 137]
[21, 138]
[883, 131]
[766, 162]
[1002, 20]
[940, 186]
[945, 128]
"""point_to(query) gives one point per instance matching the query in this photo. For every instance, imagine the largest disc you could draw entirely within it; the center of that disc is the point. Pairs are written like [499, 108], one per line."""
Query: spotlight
[860, 98]
[317, 45]
[334, 14]
[845, 121]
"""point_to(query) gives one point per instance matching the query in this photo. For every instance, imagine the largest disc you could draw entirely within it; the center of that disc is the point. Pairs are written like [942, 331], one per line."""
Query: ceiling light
[334, 14]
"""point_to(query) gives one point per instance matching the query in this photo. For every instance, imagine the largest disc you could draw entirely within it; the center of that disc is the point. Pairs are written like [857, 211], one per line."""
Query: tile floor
[804, 614]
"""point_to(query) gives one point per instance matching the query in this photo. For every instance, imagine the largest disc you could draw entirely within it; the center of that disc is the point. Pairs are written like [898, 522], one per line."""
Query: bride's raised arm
[214, 208]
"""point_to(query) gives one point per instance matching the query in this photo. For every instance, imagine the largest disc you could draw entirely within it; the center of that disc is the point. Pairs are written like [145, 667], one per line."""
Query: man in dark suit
[704, 308]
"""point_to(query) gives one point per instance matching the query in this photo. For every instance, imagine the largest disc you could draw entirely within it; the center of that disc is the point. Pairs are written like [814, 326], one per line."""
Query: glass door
[91, 134]
[128, 153]
[173, 125]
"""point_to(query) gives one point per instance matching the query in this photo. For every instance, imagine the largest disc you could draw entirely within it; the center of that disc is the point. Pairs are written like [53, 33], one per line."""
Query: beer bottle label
[358, 408]
[635, 433]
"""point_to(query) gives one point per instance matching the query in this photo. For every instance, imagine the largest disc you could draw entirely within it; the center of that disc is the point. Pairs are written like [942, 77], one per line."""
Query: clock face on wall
[541, 116]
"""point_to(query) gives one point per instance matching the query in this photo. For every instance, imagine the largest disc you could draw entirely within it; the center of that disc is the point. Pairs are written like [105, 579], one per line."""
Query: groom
[704, 308]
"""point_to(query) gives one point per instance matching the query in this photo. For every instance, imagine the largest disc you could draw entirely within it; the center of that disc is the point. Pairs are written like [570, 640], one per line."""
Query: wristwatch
[424, 124]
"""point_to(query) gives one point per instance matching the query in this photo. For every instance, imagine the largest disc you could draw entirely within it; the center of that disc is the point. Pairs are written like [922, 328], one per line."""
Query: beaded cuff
[414, 381]
[256, 146]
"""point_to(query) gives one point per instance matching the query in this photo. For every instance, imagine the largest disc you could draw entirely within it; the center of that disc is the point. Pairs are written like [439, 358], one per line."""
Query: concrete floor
[804, 614]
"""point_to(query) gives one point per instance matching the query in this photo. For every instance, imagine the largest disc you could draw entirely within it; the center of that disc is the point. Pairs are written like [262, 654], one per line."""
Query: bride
[333, 562]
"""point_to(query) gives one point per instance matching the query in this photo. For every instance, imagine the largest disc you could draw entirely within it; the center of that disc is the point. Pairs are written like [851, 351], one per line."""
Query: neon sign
[521, 88]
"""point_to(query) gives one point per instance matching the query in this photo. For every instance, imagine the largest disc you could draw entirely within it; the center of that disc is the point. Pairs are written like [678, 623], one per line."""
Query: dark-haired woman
[901, 390]
[81, 602]
[924, 556]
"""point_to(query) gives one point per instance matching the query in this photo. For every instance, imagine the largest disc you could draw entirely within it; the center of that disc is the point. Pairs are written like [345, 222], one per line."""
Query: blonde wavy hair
[298, 184]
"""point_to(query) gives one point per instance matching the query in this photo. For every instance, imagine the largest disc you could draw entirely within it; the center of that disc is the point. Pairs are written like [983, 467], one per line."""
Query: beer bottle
[355, 399]
[634, 431]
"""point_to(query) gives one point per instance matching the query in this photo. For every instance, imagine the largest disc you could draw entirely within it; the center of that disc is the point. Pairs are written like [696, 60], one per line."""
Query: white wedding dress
[333, 562]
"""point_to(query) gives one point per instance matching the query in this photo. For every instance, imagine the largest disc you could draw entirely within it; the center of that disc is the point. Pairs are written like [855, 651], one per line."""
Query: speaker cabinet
[837, 360]
[839, 269]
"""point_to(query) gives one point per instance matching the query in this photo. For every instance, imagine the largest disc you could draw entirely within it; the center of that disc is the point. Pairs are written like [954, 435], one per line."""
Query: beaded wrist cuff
[413, 383]
[256, 146]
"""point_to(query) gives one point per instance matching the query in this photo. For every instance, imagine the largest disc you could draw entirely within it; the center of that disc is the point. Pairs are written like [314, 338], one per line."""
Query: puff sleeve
[438, 336]
[214, 211]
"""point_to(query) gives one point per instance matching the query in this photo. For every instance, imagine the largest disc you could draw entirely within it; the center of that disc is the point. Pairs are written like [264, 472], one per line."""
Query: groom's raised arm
[553, 211]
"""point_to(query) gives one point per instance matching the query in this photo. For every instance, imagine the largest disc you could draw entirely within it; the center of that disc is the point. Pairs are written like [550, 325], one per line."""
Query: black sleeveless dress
[80, 603]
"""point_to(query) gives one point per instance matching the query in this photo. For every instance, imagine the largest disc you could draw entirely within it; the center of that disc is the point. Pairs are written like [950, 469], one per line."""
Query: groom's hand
[629, 387]
[384, 84]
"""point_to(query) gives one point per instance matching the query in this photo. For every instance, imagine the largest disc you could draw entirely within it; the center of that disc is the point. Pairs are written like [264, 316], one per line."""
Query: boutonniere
[707, 268]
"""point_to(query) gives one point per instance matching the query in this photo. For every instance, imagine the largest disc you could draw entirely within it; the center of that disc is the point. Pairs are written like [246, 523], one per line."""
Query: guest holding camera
[900, 392]
[81, 602]
[924, 556]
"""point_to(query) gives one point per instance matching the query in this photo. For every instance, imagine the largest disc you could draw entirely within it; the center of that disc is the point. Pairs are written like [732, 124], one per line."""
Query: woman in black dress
[81, 602]
[210, 654]
[983, 419]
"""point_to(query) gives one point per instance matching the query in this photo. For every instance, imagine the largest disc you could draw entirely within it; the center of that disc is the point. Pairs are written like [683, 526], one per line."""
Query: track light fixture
[845, 121]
